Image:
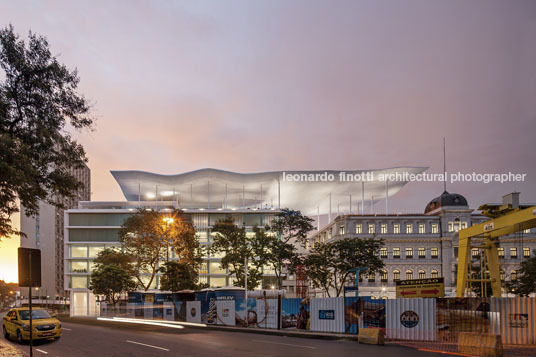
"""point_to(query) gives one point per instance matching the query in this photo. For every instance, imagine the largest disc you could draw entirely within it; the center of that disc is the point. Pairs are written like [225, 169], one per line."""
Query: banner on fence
[267, 313]
[169, 311]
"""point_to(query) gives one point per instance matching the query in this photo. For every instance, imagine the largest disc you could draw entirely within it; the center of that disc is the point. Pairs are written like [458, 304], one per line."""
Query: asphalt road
[139, 340]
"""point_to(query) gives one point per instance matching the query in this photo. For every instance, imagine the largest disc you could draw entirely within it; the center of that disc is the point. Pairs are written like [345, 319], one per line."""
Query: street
[139, 340]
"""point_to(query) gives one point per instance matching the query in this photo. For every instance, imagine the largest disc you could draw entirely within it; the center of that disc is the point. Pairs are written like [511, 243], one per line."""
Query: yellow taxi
[16, 323]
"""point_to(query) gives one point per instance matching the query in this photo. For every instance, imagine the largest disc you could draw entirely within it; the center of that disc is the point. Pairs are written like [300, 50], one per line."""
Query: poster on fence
[372, 312]
[267, 313]
[351, 314]
[290, 310]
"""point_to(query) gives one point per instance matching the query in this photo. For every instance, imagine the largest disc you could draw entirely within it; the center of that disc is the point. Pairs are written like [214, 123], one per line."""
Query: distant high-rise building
[45, 231]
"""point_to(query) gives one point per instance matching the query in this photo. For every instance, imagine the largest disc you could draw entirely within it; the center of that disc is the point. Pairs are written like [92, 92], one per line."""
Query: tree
[291, 227]
[232, 241]
[525, 284]
[328, 264]
[178, 276]
[38, 101]
[272, 251]
[148, 236]
[112, 275]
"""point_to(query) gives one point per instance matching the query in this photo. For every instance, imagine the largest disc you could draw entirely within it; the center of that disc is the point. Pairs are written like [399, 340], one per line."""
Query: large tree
[291, 227]
[525, 284]
[39, 105]
[328, 264]
[112, 275]
[149, 236]
[234, 245]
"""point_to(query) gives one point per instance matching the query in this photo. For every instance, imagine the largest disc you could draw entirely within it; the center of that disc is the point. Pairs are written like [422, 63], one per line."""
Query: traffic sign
[428, 288]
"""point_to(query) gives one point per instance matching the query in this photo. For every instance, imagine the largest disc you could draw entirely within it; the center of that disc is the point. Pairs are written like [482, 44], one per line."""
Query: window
[78, 282]
[513, 275]
[500, 251]
[94, 250]
[409, 228]
[79, 266]
[527, 231]
[383, 252]
[371, 277]
[329, 233]
[422, 228]
[434, 274]
[396, 252]
[383, 276]
[409, 274]
[513, 253]
[79, 251]
[358, 228]
[383, 228]
[396, 275]
[409, 253]
[341, 230]
[503, 275]
[475, 253]
[396, 228]
[435, 228]
[526, 252]
[434, 253]
[215, 268]
[422, 253]
[371, 228]
[422, 274]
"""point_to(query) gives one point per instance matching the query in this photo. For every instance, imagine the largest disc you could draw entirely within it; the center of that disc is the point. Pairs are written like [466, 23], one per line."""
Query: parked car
[16, 323]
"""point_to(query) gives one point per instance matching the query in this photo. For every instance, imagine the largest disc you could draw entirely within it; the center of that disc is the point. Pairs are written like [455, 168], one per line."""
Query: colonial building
[423, 245]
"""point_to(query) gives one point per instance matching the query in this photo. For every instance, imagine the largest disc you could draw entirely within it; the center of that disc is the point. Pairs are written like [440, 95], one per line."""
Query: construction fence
[438, 324]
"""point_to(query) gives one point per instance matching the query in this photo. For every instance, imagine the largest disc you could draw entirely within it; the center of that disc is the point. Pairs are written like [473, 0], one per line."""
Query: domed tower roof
[446, 199]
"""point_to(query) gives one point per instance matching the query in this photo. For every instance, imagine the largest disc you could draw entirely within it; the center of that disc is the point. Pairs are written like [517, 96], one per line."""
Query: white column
[363, 198]
[329, 218]
[387, 197]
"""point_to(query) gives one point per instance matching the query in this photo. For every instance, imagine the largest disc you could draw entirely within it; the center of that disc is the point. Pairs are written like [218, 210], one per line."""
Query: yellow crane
[508, 218]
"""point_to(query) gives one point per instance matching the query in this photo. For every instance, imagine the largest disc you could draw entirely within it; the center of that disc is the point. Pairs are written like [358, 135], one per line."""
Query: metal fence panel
[225, 312]
[327, 314]
[193, 311]
[411, 319]
[267, 313]
[169, 311]
[517, 323]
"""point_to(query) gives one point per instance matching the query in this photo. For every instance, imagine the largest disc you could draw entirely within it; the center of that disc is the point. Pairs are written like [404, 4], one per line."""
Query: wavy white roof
[213, 188]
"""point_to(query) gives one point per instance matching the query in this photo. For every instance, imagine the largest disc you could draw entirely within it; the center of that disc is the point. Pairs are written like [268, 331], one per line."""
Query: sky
[253, 86]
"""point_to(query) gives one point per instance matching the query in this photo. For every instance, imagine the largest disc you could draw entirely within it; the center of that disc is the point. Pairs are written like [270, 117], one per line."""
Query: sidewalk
[264, 331]
[6, 350]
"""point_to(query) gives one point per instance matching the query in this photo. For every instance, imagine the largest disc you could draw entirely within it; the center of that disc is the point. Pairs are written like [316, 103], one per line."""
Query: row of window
[371, 228]
[476, 252]
[421, 274]
[421, 253]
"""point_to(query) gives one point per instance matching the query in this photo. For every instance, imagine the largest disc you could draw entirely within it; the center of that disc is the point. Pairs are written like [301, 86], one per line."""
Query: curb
[319, 336]
[7, 350]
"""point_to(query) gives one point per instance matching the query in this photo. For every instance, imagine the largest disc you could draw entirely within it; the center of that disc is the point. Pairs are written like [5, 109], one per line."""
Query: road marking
[143, 344]
[67, 329]
[285, 344]
[38, 350]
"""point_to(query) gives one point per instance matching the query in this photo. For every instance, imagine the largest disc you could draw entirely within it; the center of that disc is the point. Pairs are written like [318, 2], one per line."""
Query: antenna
[444, 168]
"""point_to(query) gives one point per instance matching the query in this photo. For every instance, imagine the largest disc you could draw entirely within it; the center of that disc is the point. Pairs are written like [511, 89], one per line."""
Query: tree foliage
[112, 275]
[149, 239]
[38, 102]
[291, 227]
[178, 276]
[328, 264]
[525, 284]
[232, 242]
